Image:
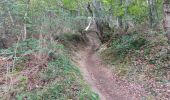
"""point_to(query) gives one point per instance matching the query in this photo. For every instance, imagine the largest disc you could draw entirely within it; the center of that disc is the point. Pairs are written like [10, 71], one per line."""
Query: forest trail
[100, 78]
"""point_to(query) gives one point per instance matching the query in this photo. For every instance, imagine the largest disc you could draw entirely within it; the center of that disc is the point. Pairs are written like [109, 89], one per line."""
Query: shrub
[125, 43]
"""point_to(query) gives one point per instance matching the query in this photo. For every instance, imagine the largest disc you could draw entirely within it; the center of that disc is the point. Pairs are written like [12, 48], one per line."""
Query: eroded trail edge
[101, 79]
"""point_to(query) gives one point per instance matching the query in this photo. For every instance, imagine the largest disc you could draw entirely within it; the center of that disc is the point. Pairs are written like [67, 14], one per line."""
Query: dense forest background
[38, 38]
[31, 16]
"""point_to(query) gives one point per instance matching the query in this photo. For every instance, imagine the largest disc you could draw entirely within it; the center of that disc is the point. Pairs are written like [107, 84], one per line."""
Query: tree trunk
[126, 14]
[24, 36]
[152, 12]
[120, 17]
[96, 15]
[166, 24]
[96, 11]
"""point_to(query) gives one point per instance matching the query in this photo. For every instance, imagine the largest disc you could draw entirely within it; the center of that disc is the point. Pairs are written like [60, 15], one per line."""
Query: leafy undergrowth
[143, 58]
[72, 40]
[41, 70]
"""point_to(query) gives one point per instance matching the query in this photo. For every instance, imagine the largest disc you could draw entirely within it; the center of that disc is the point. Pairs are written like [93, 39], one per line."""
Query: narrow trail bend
[100, 78]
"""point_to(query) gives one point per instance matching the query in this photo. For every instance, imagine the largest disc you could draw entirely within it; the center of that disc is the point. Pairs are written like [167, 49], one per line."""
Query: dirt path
[101, 79]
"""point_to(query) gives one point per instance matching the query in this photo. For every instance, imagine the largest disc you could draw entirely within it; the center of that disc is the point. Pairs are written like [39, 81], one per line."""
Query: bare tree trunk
[11, 17]
[126, 14]
[24, 36]
[96, 14]
[166, 22]
[120, 17]
[78, 9]
[9, 12]
[153, 16]
[150, 13]
[25, 32]
[110, 17]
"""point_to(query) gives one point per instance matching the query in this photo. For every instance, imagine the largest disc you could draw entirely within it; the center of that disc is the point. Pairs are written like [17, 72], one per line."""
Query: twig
[14, 60]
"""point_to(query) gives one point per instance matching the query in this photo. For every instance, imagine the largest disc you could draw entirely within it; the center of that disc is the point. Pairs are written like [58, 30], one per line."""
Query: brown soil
[100, 78]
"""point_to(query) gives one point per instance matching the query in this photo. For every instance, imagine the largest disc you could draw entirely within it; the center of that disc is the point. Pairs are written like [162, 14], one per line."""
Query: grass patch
[64, 82]
[45, 73]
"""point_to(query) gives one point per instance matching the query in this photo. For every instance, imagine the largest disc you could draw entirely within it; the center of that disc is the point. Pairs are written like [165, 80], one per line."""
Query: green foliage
[69, 37]
[64, 82]
[62, 79]
[52, 17]
[125, 43]
[138, 13]
[71, 41]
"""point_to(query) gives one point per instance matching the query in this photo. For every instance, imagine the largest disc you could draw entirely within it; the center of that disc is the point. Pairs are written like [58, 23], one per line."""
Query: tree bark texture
[166, 22]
